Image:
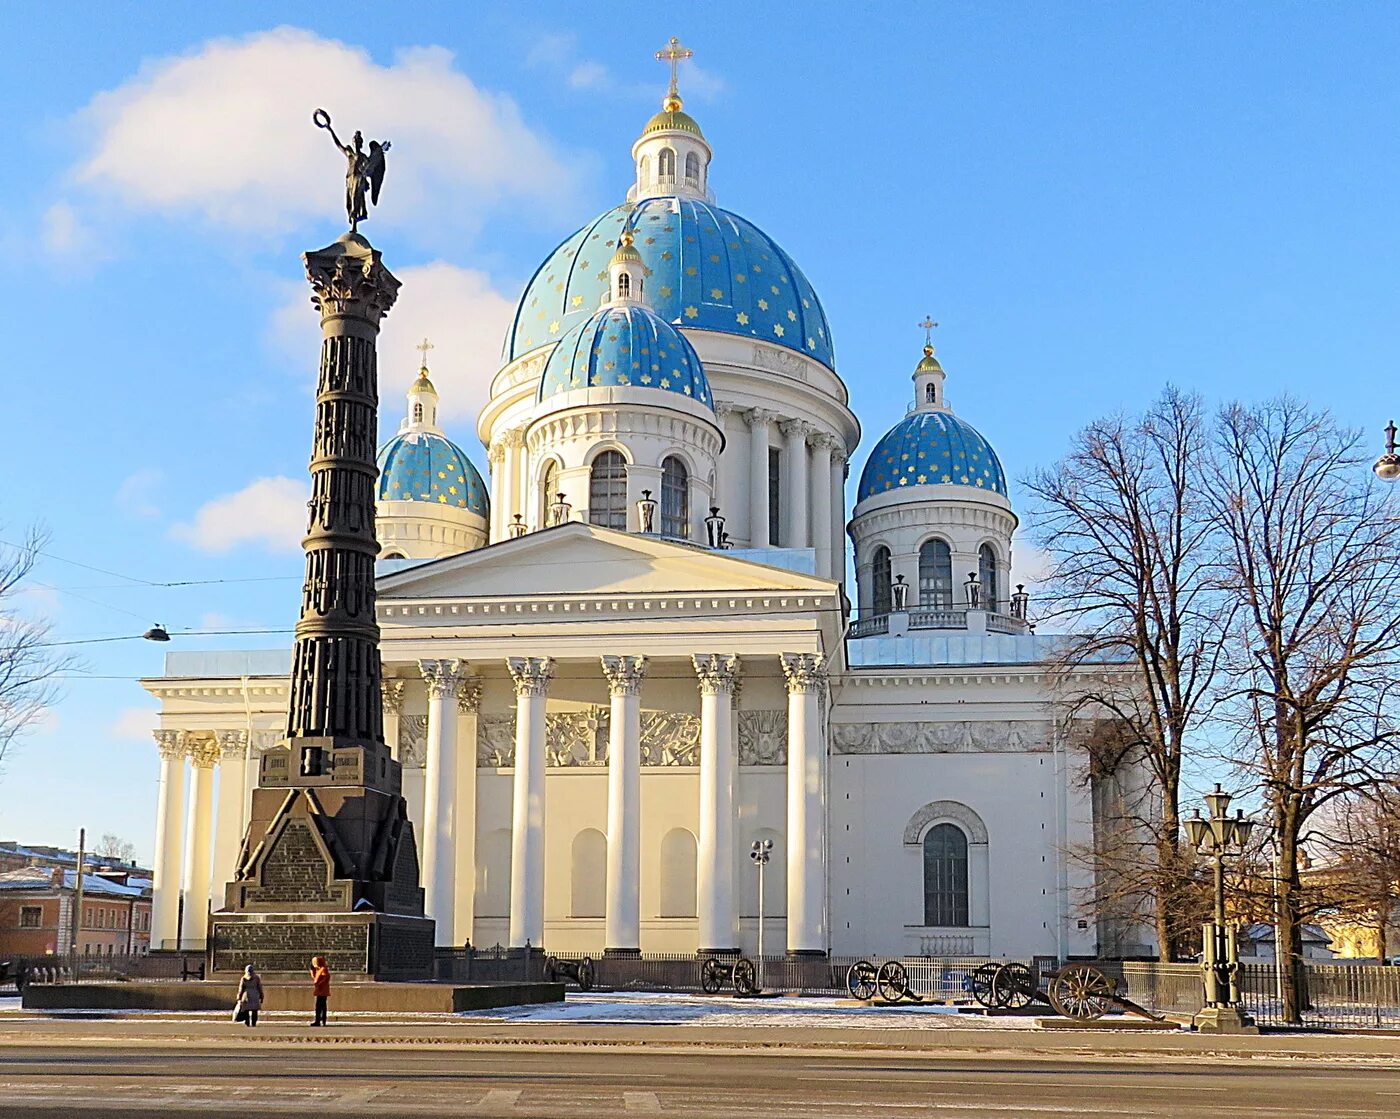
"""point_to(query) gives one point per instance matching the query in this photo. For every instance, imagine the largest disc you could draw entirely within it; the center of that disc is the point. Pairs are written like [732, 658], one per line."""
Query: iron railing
[172, 967]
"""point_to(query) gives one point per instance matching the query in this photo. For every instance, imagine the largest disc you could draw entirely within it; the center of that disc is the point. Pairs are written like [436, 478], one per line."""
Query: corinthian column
[838, 512]
[165, 885]
[795, 495]
[440, 795]
[468, 708]
[822, 445]
[759, 421]
[623, 929]
[714, 878]
[199, 835]
[531, 676]
[233, 798]
[806, 799]
[392, 693]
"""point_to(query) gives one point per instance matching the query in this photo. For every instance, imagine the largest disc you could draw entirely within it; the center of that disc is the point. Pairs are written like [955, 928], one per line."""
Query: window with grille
[607, 491]
[935, 574]
[987, 575]
[945, 877]
[549, 490]
[675, 499]
[418, 413]
[666, 163]
[775, 496]
[692, 169]
[882, 598]
[624, 286]
[30, 916]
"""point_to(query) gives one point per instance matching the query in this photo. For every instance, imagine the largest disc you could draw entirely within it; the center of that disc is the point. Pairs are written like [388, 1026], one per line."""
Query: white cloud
[1029, 564]
[137, 492]
[457, 309]
[63, 233]
[590, 75]
[134, 723]
[224, 133]
[267, 511]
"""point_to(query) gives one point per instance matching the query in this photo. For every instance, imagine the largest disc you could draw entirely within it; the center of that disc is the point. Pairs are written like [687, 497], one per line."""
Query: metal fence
[76, 968]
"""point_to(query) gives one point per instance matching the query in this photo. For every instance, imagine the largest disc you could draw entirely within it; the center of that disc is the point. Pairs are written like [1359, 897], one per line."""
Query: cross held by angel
[364, 170]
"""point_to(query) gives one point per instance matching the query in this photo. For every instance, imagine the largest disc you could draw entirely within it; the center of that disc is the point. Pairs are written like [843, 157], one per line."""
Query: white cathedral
[612, 670]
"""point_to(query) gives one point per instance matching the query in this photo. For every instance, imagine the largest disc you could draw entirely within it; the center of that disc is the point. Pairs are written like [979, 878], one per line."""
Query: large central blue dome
[710, 269]
[931, 449]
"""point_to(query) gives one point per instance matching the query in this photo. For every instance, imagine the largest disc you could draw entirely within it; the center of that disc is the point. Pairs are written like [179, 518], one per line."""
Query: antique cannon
[1078, 991]
[580, 971]
[715, 973]
[890, 981]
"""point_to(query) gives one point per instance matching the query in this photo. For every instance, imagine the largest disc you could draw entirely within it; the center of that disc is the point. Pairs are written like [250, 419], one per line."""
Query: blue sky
[1092, 200]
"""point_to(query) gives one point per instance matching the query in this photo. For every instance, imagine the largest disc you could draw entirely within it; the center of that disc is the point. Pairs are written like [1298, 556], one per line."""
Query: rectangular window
[87, 917]
[30, 916]
[775, 496]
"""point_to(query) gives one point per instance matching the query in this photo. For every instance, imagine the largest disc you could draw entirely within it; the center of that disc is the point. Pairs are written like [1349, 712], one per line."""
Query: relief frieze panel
[763, 737]
[925, 737]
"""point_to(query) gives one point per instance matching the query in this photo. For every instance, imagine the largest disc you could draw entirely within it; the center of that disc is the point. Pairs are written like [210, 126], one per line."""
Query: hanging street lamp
[1387, 467]
[1218, 837]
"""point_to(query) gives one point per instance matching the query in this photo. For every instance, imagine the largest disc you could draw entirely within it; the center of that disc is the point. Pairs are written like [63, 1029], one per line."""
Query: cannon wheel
[1082, 992]
[980, 983]
[549, 972]
[1013, 986]
[711, 976]
[892, 981]
[585, 974]
[860, 980]
[745, 976]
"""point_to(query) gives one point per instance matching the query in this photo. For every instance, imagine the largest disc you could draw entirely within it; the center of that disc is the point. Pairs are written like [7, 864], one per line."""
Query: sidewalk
[687, 1023]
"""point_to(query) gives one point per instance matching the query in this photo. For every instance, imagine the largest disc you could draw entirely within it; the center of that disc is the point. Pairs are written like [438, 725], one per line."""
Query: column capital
[760, 417]
[531, 674]
[203, 751]
[718, 672]
[725, 408]
[796, 429]
[469, 695]
[515, 437]
[233, 744]
[496, 453]
[442, 677]
[170, 743]
[824, 440]
[349, 278]
[624, 674]
[392, 692]
[805, 672]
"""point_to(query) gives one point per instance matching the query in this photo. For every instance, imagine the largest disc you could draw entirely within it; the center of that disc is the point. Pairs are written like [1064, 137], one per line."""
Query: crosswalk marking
[640, 1101]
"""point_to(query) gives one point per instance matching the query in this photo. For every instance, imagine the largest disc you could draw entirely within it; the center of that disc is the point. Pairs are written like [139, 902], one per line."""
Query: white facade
[597, 722]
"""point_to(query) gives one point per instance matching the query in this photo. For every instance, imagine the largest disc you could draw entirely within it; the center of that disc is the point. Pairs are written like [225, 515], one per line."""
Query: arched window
[987, 576]
[549, 489]
[644, 169]
[930, 394]
[945, 877]
[418, 413]
[666, 163]
[588, 874]
[493, 874]
[678, 873]
[692, 168]
[881, 600]
[935, 574]
[624, 286]
[607, 491]
[675, 499]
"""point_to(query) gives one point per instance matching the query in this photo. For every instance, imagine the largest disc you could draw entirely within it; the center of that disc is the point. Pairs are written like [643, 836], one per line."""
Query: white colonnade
[623, 924]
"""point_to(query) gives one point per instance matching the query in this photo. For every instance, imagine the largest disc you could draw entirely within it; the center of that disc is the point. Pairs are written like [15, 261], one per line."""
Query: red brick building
[37, 906]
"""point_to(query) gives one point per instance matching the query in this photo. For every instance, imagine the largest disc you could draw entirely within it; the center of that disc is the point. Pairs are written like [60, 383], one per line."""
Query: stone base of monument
[364, 945]
[346, 998]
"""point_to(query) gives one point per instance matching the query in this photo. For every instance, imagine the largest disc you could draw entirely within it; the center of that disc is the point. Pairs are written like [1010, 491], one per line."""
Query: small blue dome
[931, 448]
[710, 269]
[620, 346]
[424, 466]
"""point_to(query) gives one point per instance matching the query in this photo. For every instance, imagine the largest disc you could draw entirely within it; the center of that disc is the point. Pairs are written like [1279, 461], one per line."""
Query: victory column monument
[329, 865]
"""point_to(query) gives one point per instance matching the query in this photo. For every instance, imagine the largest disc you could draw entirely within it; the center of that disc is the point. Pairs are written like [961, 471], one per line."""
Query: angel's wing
[374, 169]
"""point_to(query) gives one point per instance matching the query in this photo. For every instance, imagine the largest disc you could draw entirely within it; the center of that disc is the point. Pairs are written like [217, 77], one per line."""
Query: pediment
[579, 559]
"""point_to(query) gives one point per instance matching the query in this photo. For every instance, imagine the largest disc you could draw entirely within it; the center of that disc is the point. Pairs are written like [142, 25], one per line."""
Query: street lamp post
[760, 853]
[1217, 837]
[1387, 467]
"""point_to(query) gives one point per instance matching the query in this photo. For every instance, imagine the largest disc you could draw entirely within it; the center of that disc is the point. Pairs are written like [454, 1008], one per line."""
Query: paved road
[53, 1082]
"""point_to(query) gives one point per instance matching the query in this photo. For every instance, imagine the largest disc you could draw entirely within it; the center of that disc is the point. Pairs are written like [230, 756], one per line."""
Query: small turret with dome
[431, 500]
[672, 155]
[932, 524]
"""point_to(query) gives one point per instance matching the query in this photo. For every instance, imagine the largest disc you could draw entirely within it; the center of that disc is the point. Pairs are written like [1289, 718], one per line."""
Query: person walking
[250, 995]
[320, 987]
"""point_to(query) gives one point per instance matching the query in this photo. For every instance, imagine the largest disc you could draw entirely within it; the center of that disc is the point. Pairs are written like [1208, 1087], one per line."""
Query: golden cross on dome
[423, 347]
[928, 324]
[674, 53]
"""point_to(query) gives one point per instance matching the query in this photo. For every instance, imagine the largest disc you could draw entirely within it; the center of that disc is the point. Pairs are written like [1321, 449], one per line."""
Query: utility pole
[78, 896]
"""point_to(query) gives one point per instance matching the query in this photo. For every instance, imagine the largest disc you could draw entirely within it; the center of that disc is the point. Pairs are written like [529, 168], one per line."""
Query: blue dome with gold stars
[626, 345]
[931, 448]
[425, 466]
[710, 269]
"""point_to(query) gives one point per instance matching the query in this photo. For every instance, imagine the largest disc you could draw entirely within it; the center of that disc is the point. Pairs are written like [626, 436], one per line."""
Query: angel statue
[364, 170]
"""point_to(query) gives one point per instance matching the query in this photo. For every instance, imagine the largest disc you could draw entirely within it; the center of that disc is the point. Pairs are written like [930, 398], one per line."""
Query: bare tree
[1311, 553]
[1360, 879]
[114, 847]
[1128, 527]
[28, 663]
